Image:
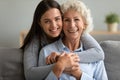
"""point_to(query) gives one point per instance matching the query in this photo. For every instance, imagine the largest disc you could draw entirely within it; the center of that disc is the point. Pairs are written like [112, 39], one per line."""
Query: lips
[72, 30]
[54, 30]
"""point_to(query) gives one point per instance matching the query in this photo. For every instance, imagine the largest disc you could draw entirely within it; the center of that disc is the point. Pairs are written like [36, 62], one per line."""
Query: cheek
[81, 26]
[44, 27]
[60, 24]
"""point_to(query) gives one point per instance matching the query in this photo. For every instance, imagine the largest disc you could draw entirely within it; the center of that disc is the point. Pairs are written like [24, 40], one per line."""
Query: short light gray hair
[80, 7]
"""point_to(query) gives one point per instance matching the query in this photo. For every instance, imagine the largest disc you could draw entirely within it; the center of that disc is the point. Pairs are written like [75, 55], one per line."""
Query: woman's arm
[92, 50]
[31, 69]
[64, 62]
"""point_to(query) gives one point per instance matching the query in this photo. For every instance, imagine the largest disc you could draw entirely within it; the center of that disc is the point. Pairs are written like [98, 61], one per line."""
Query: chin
[55, 36]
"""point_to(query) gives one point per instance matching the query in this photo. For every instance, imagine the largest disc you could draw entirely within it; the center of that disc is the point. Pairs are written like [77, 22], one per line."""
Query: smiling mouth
[73, 31]
[54, 30]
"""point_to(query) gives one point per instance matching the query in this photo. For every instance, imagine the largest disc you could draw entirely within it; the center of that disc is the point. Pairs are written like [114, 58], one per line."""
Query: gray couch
[11, 66]
[11, 61]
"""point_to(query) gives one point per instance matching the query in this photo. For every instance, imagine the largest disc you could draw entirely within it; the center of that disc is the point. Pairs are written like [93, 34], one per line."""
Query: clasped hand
[70, 62]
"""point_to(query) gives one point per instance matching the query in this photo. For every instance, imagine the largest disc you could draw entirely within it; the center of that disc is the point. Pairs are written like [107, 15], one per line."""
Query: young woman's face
[51, 22]
[73, 24]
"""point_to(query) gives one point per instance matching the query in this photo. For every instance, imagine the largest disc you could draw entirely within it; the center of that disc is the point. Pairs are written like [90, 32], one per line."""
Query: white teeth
[72, 31]
[54, 30]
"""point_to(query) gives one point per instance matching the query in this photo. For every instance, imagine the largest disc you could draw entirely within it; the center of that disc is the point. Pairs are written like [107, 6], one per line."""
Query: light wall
[16, 15]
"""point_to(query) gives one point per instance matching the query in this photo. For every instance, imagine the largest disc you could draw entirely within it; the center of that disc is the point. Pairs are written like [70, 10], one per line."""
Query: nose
[72, 23]
[53, 24]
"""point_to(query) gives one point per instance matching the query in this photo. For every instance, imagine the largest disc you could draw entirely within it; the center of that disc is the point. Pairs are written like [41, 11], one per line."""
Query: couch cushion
[11, 66]
[112, 58]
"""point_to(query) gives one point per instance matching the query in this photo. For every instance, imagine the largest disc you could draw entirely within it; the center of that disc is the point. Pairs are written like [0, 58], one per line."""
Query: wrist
[58, 69]
[78, 77]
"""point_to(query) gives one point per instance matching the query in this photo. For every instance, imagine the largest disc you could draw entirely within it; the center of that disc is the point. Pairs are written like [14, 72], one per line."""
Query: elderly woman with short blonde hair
[77, 21]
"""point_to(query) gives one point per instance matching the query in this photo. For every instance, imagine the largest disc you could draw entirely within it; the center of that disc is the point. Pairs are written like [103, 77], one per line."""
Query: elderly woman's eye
[66, 20]
[77, 19]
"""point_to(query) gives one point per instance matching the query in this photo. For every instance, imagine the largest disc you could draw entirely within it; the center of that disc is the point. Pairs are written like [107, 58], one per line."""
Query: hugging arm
[64, 62]
[42, 62]
[92, 50]
[31, 69]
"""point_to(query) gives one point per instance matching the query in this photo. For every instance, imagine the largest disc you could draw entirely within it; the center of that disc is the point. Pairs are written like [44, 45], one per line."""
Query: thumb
[62, 54]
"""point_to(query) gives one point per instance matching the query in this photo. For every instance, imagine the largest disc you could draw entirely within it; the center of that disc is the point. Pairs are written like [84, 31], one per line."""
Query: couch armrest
[112, 58]
[11, 64]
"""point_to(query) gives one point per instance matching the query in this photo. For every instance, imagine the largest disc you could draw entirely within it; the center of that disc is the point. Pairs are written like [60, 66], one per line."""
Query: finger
[76, 64]
[48, 60]
[77, 60]
[57, 57]
[53, 60]
[75, 55]
[62, 54]
[75, 69]
[72, 54]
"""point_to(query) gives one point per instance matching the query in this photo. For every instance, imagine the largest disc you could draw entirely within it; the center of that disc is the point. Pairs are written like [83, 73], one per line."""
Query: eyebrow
[49, 19]
[46, 19]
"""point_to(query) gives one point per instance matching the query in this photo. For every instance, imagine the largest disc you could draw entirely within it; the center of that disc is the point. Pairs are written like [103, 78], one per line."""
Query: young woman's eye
[47, 21]
[57, 19]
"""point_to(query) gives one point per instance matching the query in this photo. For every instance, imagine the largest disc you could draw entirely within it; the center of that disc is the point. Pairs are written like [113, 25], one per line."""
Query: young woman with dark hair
[46, 28]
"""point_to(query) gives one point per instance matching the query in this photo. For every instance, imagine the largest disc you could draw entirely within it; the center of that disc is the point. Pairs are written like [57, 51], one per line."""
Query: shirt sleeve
[100, 71]
[51, 76]
[92, 49]
[31, 69]
[86, 77]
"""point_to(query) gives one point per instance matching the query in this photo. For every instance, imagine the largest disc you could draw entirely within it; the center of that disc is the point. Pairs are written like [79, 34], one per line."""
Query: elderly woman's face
[73, 24]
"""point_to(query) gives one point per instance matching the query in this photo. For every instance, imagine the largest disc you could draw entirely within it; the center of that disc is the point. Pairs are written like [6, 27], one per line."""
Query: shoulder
[34, 44]
[50, 47]
[86, 35]
[87, 38]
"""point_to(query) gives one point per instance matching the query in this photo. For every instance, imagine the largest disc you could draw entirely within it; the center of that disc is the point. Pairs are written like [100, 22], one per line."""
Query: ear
[84, 27]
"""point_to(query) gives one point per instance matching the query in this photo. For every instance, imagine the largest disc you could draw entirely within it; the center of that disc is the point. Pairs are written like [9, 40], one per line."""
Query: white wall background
[16, 15]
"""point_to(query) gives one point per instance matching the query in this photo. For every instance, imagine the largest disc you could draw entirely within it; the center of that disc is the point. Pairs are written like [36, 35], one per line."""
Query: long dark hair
[35, 30]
